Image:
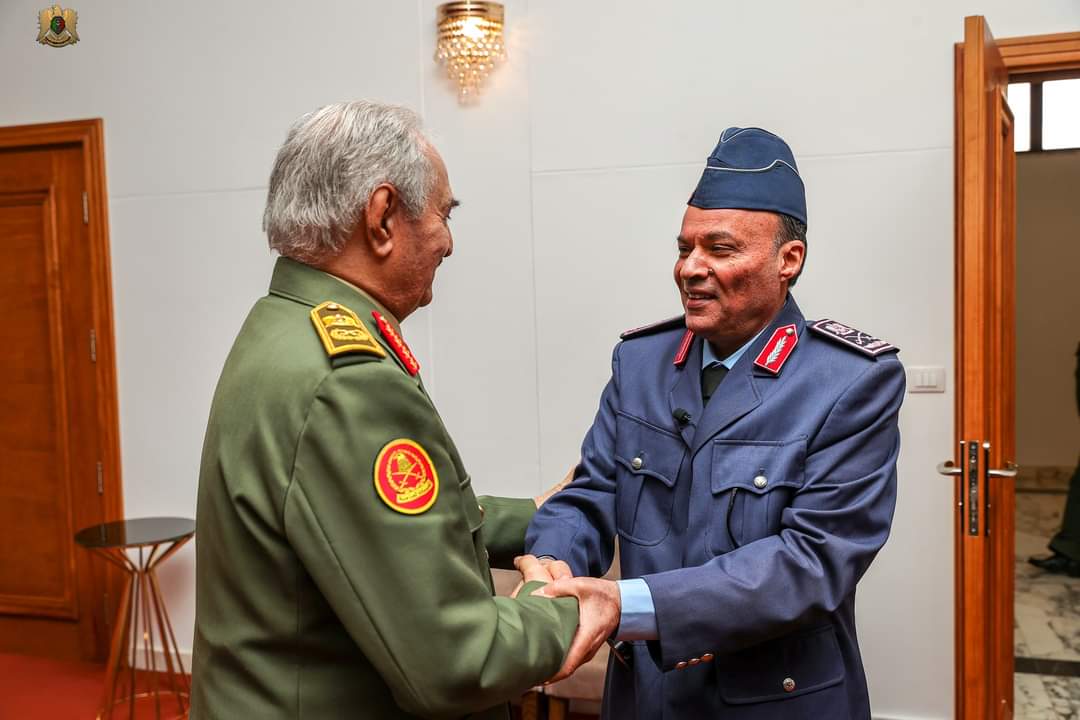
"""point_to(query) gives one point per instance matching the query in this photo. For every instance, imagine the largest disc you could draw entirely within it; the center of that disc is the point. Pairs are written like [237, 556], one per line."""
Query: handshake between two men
[599, 606]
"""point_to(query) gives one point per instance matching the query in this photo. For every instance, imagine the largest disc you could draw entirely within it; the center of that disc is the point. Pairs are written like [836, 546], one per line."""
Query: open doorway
[1047, 591]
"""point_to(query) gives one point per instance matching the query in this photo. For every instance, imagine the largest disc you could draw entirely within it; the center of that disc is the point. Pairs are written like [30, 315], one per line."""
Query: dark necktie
[710, 378]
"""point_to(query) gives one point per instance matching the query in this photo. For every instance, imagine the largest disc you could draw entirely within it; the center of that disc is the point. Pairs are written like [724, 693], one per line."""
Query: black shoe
[1057, 564]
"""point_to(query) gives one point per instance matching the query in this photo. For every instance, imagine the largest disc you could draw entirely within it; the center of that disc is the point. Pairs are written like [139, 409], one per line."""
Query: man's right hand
[600, 606]
[544, 570]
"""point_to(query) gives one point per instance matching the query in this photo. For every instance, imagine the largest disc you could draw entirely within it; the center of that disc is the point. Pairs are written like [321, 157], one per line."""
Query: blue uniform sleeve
[577, 524]
[638, 619]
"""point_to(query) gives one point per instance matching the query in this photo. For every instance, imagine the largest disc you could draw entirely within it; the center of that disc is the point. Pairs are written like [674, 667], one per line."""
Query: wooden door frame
[89, 135]
[1020, 56]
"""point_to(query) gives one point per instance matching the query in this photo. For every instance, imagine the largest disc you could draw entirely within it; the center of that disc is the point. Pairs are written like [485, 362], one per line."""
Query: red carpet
[33, 688]
[39, 689]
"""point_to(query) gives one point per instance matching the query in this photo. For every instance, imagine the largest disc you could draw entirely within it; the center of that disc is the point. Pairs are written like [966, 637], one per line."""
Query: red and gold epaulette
[404, 354]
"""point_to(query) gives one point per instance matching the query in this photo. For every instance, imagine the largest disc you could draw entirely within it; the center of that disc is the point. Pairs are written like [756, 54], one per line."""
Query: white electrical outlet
[926, 379]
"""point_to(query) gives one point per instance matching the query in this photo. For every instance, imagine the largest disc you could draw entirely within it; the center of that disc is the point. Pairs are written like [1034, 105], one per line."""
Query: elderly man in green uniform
[343, 558]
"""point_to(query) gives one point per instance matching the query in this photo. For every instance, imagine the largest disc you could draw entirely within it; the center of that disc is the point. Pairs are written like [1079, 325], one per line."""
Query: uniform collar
[740, 390]
[309, 286]
[709, 357]
[390, 318]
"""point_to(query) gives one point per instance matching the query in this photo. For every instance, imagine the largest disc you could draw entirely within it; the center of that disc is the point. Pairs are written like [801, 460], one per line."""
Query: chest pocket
[752, 482]
[647, 462]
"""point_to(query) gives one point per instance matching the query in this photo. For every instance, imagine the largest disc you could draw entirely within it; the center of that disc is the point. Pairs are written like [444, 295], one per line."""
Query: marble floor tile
[1047, 607]
[1064, 695]
[1031, 699]
[1046, 697]
[1047, 614]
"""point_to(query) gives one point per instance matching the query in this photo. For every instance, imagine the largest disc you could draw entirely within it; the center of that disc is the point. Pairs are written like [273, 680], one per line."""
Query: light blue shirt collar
[709, 358]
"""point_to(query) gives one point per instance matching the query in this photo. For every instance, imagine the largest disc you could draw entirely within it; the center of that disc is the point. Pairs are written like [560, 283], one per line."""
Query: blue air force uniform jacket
[751, 523]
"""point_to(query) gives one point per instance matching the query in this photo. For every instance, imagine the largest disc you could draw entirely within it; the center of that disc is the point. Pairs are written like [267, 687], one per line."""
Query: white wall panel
[483, 317]
[199, 95]
[649, 84]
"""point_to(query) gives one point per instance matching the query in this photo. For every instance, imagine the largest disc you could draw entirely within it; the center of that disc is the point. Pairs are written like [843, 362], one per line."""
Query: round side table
[138, 547]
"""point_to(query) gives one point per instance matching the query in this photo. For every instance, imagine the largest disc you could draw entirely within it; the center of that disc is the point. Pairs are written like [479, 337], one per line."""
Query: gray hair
[331, 162]
[789, 229]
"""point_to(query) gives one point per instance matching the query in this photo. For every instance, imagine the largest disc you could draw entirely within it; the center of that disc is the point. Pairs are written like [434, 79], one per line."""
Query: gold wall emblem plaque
[56, 26]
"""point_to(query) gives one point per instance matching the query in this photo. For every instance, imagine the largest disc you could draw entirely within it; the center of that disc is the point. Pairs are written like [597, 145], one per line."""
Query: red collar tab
[779, 348]
[404, 354]
[684, 348]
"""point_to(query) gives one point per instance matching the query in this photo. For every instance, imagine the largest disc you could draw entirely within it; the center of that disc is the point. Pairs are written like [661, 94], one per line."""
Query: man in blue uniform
[746, 459]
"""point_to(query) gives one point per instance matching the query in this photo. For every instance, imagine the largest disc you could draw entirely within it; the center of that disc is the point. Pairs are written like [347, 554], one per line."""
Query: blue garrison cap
[751, 169]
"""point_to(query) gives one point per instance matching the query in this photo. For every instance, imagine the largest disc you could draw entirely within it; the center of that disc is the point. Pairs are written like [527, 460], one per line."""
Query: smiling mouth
[696, 300]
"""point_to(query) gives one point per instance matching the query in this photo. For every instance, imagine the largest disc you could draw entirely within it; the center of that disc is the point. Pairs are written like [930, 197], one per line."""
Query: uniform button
[481, 509]
[694, 661]
[760, 481]
[332, 306]
[789, 685]
[636, 463]
[707, 657]
[680, 665]
[790, 331]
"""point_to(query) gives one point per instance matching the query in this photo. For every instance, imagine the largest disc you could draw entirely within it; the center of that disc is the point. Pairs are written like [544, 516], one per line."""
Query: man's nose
[693, 267]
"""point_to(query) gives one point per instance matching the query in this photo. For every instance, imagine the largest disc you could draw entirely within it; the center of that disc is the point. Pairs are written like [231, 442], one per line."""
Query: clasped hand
[599, 606]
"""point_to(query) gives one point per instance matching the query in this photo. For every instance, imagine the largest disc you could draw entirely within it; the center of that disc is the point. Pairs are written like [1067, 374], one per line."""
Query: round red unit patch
[405, 477]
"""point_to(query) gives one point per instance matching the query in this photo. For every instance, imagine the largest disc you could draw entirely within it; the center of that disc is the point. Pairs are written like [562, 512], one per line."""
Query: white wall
[1047, 307]
[574, 169]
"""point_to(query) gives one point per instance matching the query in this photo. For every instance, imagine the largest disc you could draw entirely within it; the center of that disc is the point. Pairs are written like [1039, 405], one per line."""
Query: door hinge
[100, 480]
[85, 208]
[93, 345]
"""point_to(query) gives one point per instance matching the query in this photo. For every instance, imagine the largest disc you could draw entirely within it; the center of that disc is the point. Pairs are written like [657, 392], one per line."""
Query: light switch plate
[926, 379]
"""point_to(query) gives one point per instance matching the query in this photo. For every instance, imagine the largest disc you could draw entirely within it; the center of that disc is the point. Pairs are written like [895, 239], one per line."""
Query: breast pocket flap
[757, 466]
[648, 451]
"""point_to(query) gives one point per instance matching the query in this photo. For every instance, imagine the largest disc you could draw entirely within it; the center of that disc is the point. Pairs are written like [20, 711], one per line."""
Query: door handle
[949, 469]
[1009, 471]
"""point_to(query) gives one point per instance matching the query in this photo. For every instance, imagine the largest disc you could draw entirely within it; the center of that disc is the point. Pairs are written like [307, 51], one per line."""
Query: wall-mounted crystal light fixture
[470, 44]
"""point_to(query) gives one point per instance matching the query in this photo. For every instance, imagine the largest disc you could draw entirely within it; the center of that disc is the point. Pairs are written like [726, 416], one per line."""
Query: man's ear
[792, 254]
[381, 219]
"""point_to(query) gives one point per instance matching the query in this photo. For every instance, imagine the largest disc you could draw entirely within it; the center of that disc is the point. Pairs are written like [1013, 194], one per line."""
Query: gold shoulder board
[341, 331]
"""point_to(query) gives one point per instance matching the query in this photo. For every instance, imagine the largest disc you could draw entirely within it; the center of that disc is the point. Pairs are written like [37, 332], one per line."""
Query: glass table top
[136, 532]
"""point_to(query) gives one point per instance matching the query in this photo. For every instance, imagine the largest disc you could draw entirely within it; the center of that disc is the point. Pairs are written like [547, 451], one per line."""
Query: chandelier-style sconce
[470, 44]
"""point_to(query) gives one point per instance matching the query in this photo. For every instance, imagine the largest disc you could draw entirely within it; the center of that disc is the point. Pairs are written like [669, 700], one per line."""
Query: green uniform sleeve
[505, 523]
[411, 590]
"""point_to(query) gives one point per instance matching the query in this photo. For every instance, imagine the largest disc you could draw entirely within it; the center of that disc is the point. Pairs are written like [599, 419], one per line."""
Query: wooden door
[59, 468]
[985, 393]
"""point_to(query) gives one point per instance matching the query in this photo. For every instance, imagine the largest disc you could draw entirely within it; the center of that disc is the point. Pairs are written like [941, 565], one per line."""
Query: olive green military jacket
[342, 557]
